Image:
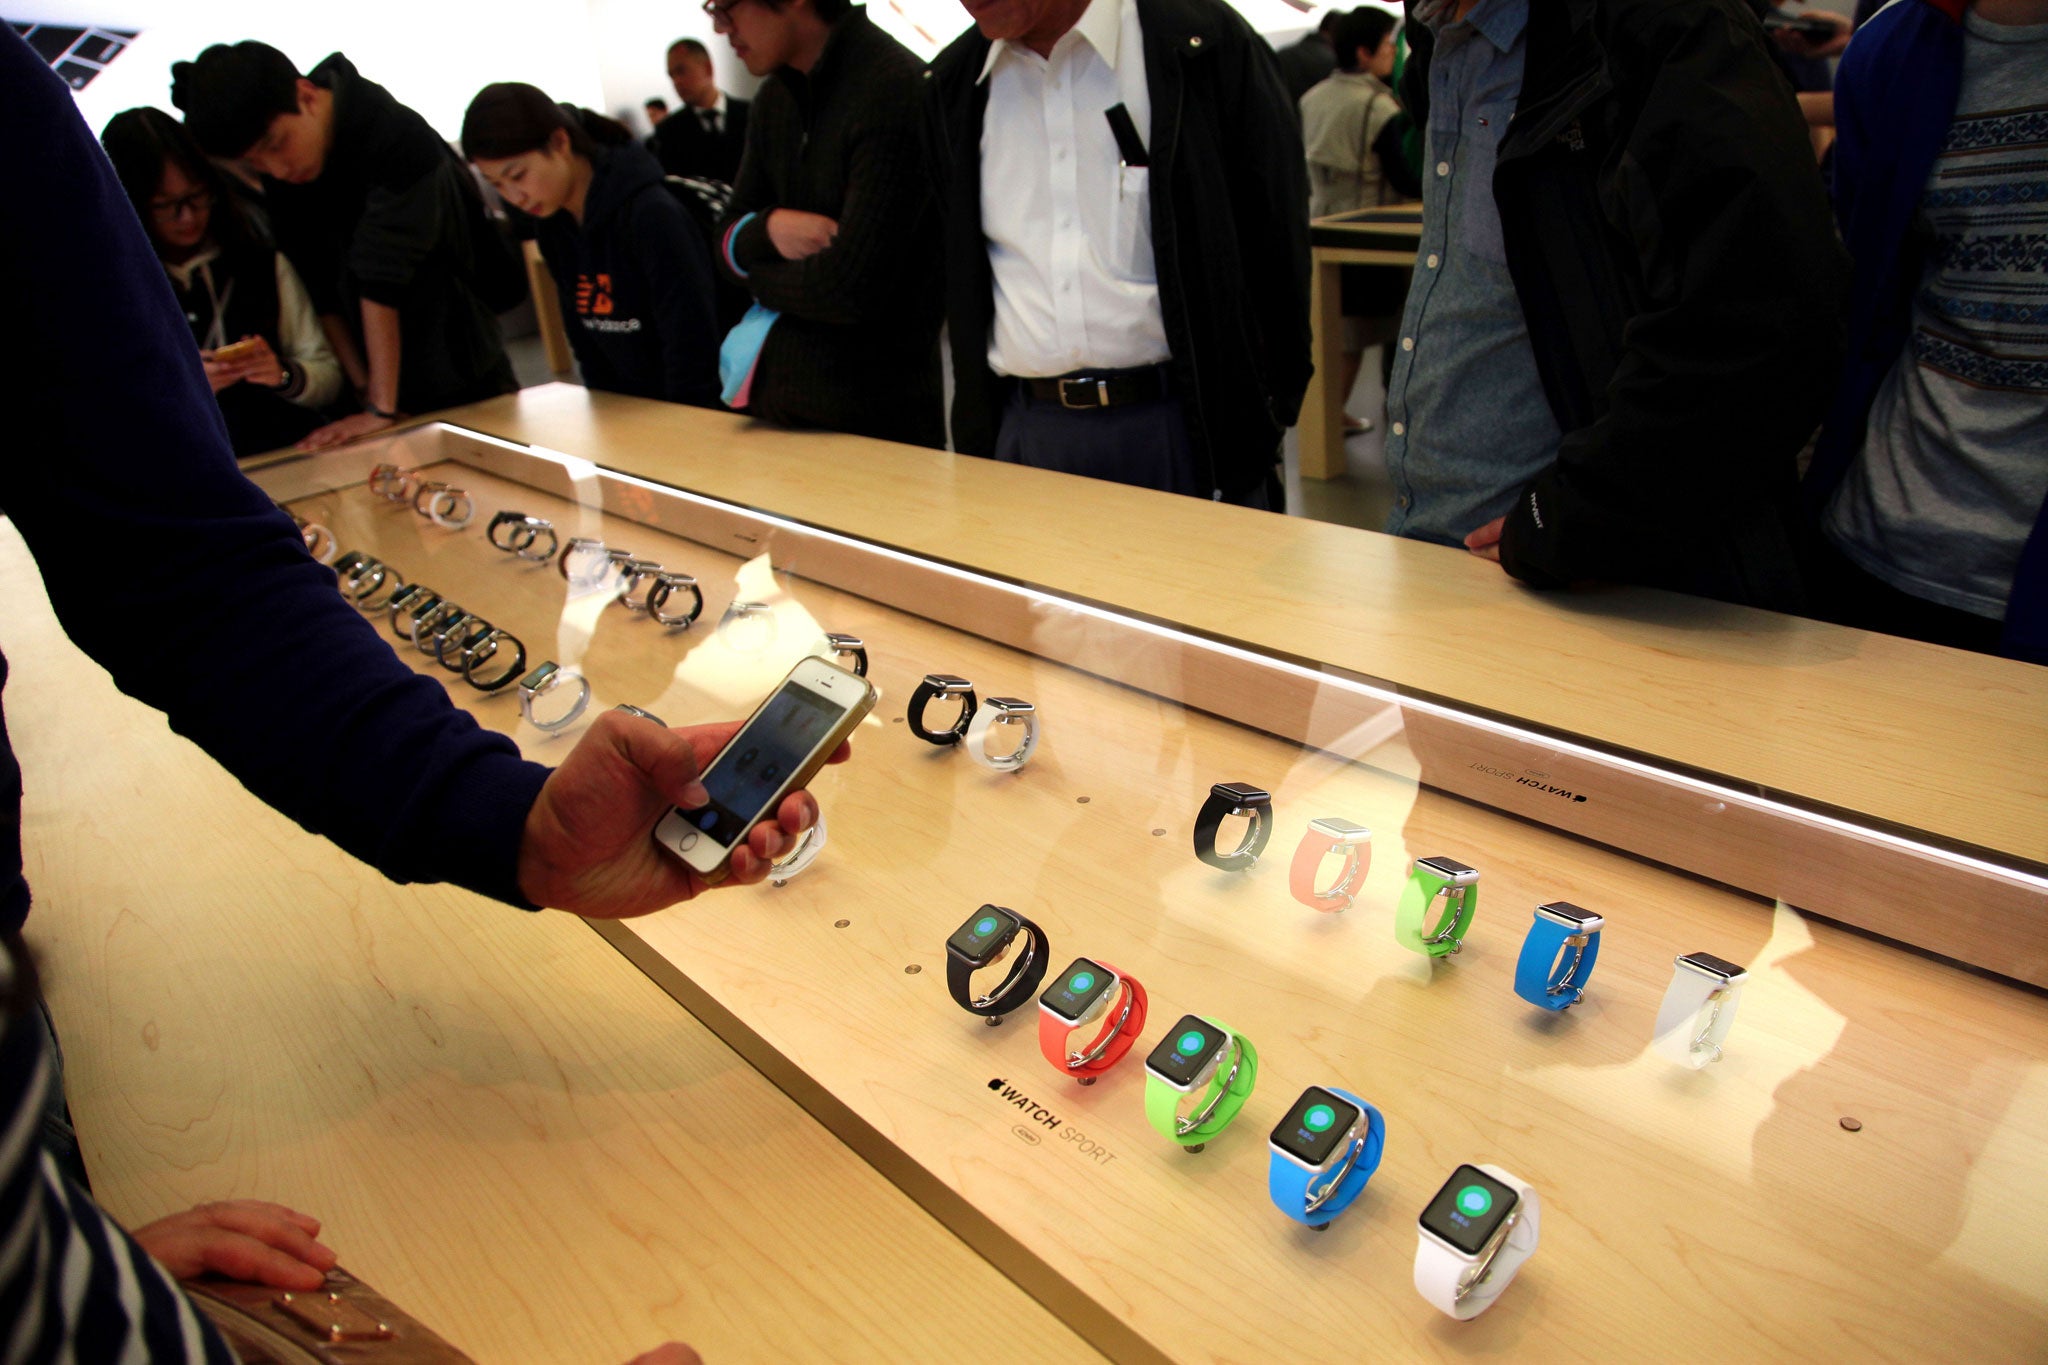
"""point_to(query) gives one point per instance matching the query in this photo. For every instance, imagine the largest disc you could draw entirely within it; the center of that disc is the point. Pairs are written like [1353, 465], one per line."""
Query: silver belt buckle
[1100, 388]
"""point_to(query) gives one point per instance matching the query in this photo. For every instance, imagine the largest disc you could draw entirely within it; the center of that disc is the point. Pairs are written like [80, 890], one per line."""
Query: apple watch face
[1343, 831]
[1185, 1049]
[1450, 869]
[1469, 1209]
[1241, 794]
[983, 935]
[532, 681]
[1713, 966]
[1564, 912]
[1315, 1126]
[1078, 988]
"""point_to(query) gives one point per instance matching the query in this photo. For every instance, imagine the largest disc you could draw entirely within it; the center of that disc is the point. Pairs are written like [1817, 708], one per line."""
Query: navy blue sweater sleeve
[174, 571]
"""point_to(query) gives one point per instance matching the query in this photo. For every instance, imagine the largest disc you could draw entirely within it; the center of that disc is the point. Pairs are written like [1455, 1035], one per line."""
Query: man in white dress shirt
[1126, 242]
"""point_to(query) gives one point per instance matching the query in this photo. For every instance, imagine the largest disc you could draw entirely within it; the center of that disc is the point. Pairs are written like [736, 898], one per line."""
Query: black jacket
[394, 217]
[686, 148]
[1670, 241]
[1229, 236]
[857, 346]
[636, 284]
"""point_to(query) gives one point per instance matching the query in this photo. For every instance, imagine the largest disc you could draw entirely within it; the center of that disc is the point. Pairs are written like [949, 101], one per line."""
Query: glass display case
[1838, 1165]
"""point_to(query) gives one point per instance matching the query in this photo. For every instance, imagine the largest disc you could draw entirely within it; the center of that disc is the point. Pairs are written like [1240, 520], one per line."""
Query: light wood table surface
[504, 1126]
[1927, 738]
[1384, 238]
[1727, 1214]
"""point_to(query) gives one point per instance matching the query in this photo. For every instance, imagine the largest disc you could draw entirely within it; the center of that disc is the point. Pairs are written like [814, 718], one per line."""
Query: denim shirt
[1468, 419]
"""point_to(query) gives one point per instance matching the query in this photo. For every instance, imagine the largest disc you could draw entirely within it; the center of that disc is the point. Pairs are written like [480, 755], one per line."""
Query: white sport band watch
[1006, 712]
[1699, 1009]
[1463, 1281]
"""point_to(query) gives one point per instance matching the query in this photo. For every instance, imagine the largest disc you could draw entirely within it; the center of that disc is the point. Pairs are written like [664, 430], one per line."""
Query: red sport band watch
[1087, 991]
[1330, 835]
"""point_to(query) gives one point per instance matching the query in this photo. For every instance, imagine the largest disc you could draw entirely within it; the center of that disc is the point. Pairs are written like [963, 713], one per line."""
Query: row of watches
[1473, 1235]
[1437, 906]
[489, 659]
[975, 723]
[444, 504]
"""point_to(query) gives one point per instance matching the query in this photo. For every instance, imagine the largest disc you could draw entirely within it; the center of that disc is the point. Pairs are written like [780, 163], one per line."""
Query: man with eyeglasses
[705, 137]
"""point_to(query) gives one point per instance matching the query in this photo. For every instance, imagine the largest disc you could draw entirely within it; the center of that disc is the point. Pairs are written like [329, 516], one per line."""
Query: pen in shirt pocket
[1130, 148]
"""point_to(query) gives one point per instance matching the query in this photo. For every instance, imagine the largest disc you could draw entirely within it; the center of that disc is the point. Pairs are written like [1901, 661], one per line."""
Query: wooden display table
[1376, 237]
[503, 1125]
[1727, 1213]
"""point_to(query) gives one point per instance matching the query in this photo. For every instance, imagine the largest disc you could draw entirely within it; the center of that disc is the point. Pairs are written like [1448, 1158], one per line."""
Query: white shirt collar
[718, 108]
[1100, 26]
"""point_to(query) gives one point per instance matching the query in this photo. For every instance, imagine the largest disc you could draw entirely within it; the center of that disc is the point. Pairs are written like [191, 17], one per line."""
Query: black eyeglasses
[171, 210]
[721, 14]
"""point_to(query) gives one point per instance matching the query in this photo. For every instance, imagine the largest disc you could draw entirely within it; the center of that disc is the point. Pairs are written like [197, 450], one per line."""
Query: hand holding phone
[779, 749]
[585, 845]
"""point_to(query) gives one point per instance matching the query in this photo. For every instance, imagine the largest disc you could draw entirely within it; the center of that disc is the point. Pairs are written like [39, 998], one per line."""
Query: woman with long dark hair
[259, 339]
[632, 269]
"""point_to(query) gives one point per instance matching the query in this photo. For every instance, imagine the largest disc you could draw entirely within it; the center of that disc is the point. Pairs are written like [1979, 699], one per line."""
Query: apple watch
[451, 507]
[378, 583]
[733, 627]
[1474, 1236]
[399, 609]
[850, 648]
[1199, 1057]
[485, 670]
[1002, 711]
[1325, 836]
[1558, 955]
[1227, 799]
[633, 573]
[583, 560]
[423, 493]
[641, 712]
[809, 845]
[455, 637]
[551, 677]
[937, 685]
[667, 585]
[1429, 879]
[346, 564]
[1087, 991]
[318, 540]
[1699, 1009]
[390, 481]
[425, 623]
[983, 940]
[1323, 1153]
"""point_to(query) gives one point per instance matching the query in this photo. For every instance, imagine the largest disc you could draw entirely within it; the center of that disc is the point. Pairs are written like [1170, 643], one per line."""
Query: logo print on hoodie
[594, 298]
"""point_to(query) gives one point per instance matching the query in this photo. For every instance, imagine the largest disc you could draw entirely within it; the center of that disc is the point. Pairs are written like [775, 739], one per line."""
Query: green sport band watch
[1199, 1056]
[1430, 878]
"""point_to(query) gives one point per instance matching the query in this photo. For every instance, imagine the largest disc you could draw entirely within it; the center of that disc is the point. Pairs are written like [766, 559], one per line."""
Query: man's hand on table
[244, 1239]
[1485, 542]
[588, 847]
[352, 428]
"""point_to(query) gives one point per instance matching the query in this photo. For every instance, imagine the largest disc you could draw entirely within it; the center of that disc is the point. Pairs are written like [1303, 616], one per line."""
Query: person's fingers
[251, 1261]
[798, 812]
[668, 1353]
[269, 1224]
[842, 753]
[305, 1221]
[670, 759]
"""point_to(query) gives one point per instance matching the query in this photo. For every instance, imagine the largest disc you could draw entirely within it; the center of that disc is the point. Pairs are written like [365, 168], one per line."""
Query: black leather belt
[1102, 388]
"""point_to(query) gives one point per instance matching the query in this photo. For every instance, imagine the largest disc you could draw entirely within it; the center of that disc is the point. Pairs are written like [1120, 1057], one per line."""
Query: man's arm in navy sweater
[158, 554]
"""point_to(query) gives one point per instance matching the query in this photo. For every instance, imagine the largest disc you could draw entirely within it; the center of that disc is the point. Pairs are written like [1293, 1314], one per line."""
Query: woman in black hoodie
[632, 268]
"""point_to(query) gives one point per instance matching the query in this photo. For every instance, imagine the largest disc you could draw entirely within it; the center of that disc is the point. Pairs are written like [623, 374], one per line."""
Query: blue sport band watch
[1323, 1154]
[1558, 955]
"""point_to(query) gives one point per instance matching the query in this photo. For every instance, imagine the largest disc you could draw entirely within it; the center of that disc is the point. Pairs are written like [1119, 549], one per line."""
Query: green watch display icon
[1081, 982]
[1319, 1117]
[985, 926]
[1189, 1043]
[1474, 1201]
